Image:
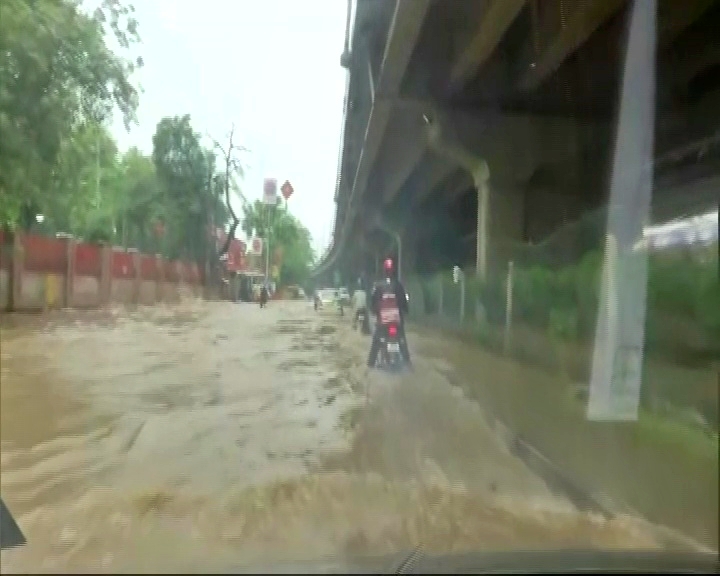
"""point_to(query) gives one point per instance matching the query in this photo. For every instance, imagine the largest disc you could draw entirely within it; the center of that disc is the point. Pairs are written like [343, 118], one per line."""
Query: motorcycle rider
[264, 295]
[359, 301]
[389, 296]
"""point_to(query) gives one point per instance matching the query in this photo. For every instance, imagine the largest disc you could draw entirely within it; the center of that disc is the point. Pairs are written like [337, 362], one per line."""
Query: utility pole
[267, 244]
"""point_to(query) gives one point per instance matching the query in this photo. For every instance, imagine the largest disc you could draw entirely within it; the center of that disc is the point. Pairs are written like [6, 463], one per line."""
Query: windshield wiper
[10, 533]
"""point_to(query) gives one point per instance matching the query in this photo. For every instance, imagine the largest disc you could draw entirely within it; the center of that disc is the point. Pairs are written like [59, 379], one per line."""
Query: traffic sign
[287, 189]
[270, 191]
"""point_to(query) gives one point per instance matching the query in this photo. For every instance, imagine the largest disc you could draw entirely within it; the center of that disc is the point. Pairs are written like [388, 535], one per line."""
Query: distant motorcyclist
[388, 298]
[359, 301]
[264, 296]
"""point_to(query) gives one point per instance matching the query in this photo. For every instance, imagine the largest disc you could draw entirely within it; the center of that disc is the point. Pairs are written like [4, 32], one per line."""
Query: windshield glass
[541, 177]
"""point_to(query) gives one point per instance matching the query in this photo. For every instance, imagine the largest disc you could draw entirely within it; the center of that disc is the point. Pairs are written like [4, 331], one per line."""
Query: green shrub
[563, 323]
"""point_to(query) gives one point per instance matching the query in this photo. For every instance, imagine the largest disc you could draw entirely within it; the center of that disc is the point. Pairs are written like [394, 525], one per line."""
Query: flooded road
[213, 435]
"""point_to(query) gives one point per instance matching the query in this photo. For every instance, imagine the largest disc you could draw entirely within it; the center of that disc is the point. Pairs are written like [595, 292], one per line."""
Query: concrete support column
[477, 166]
[481, 177]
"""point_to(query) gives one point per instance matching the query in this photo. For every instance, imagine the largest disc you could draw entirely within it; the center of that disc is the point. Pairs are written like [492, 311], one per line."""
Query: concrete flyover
[473, 124]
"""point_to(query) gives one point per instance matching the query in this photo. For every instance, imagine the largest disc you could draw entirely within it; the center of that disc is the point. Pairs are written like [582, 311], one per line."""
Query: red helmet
[388, 265]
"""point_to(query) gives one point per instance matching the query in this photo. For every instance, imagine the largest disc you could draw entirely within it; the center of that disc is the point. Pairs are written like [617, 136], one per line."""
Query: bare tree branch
[232, 166]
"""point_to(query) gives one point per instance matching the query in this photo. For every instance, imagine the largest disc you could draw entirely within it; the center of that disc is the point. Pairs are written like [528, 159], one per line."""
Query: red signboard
[236, 256]
[287, 190]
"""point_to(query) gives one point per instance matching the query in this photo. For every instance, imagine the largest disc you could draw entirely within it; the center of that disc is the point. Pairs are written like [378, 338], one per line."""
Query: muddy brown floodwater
[213, 435]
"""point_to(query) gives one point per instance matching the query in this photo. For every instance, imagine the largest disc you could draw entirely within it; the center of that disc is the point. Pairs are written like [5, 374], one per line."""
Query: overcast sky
[270, 66]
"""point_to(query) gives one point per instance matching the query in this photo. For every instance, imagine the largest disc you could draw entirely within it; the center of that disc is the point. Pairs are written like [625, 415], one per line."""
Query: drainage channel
[558, 482]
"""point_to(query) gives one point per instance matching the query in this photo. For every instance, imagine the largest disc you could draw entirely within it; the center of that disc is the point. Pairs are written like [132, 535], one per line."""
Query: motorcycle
[389, 355]
[264, 297]
[362, 319]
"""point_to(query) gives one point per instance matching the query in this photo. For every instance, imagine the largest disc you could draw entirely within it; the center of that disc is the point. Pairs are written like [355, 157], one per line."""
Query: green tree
[56, 73]
[285, 232]
[59, 86]
[141, 202]
[83, 191]
[193, 192]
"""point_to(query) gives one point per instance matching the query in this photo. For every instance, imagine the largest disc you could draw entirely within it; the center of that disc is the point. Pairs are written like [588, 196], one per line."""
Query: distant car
[327, 296]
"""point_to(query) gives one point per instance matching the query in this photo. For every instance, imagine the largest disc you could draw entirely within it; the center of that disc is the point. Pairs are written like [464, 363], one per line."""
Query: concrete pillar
[106, 274]
[481, 177]
[478, 168]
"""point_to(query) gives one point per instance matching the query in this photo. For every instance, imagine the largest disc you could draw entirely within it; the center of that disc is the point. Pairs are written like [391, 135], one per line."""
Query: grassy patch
[662, 429]
[659, 430]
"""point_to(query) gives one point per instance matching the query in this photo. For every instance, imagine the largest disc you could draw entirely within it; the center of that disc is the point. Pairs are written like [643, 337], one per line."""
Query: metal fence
[541, 305]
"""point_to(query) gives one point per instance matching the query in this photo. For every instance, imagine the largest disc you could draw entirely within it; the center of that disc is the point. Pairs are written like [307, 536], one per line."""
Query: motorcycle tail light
[392, 330]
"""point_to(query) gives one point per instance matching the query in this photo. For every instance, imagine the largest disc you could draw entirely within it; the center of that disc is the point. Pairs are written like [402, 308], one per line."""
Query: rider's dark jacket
[385, 287]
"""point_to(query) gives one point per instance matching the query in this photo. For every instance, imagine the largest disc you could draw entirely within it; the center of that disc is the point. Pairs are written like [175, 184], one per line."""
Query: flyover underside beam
[439, 170]
[588, 16]
[402, 37]
[676, 17]
[497, 19]
[404, 30]
[514, 145]
[584, 19]
[403, 148]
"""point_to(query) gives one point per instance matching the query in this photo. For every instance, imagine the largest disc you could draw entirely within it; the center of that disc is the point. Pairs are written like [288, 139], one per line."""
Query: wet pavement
[213, 435]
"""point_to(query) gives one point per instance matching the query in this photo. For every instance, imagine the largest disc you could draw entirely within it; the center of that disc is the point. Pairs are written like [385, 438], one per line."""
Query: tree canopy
[288, 238]
[57, 77]
[60, 168]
